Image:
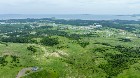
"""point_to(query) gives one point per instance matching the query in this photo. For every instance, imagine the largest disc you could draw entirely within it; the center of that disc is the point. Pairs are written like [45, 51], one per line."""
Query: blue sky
[69, 6]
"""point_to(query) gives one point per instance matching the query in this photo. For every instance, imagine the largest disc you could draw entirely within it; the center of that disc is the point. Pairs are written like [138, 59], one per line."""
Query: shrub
[32, 48]
[49, 41]
[83, 43]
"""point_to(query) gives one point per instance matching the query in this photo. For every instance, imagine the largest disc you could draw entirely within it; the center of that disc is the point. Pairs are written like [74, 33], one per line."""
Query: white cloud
[70, 6]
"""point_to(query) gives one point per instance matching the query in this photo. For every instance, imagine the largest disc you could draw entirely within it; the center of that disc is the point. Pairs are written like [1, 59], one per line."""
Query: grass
[80, 62]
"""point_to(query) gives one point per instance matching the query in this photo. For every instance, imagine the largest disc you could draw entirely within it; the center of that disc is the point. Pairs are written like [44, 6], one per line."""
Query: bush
[32, 48]
[3, 62]
[49, 41]
[124, 40]
[83, 43]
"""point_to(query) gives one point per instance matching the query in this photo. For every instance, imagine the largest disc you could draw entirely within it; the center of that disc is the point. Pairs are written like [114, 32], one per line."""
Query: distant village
[59, 26]
[80, 27]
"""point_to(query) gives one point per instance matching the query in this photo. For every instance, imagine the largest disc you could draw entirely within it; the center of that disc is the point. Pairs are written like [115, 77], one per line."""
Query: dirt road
[23, 72]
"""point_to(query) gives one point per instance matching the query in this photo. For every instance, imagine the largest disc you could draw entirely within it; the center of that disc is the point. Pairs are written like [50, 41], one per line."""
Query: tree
[83, 43]
[32, 48]
[49, 41]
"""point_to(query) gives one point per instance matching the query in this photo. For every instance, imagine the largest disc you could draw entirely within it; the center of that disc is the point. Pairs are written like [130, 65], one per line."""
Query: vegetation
[56, 48]
[49, 41]
[32, 48]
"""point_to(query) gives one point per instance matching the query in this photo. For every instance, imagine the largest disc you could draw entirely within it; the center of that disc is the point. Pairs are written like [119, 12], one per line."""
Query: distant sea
[69, 16]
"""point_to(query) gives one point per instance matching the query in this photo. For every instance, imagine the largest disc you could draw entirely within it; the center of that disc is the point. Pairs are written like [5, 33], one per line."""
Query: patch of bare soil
[23, 72]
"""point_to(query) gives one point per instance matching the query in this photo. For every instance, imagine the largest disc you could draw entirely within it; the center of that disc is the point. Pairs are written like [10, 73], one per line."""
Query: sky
[69, 7]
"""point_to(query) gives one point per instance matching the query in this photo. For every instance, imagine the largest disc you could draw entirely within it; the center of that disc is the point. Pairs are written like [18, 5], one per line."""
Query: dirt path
[23, 71]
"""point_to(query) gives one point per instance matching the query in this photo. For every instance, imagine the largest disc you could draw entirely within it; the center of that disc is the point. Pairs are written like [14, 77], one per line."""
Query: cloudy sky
[69, 6]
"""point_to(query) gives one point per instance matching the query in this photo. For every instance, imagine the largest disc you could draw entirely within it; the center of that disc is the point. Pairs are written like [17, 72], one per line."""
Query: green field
[112, 51]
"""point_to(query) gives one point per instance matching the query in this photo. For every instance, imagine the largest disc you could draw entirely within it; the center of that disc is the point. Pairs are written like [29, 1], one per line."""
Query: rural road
[23, 72]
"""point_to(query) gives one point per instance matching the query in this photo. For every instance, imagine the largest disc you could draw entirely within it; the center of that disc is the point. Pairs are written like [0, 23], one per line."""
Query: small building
[35, 68]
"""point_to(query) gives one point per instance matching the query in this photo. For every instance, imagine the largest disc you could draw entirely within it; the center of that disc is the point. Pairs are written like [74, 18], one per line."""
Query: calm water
[68, 16]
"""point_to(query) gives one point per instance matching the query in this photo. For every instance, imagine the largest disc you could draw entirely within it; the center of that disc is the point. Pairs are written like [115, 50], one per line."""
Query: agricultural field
[55, 48]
